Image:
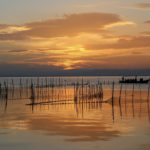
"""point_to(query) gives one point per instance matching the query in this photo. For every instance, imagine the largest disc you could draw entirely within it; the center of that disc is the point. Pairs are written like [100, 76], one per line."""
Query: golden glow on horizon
[79, 40]
[118, 24]
[13, 29]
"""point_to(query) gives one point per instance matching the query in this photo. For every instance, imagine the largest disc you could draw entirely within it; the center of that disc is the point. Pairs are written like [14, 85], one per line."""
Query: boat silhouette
[134, 80]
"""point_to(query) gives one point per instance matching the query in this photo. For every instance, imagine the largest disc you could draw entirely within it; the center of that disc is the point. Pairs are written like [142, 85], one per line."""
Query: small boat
[134, 80]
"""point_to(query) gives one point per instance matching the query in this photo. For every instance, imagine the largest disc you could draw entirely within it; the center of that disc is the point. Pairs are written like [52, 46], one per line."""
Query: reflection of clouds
[4, 132]
[62, 121]
[74, 129]
[14, 121]
[80, 122]
[145, 146]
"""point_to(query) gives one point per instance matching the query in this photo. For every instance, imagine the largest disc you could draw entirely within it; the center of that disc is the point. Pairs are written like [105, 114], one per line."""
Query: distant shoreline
[74, 76]
[48, 72]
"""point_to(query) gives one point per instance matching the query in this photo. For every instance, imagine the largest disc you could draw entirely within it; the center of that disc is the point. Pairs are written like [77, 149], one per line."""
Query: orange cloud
[124, 43]
[147, 21]
[9, 29]
[117, 24]
[69, 25]
[143, 5]
[74, 41]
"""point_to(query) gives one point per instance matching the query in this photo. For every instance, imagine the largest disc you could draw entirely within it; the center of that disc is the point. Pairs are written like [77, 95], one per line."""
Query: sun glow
[13, 29]
[118, 24]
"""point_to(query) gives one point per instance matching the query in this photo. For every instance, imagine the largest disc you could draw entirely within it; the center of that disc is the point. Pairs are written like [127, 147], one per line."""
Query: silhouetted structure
[135, 80]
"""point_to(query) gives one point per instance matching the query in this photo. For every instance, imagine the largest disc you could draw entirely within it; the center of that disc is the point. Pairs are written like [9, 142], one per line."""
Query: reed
[148, 91]
[0, 89]
[113, 89]
[133, 99]
[51, 90]
[32, 93]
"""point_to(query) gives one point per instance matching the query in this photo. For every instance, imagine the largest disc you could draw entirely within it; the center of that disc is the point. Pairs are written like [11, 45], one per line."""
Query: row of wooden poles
[83, 90]
[133, 95]
[42, 82]
[51, 93]
[80, 92]
[47, 88]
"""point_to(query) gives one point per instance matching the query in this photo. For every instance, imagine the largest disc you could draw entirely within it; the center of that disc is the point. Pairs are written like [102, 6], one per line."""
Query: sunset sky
[72, 34]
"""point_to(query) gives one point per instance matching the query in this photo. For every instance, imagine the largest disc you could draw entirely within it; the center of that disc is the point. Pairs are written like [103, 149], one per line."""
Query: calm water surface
[82, 126]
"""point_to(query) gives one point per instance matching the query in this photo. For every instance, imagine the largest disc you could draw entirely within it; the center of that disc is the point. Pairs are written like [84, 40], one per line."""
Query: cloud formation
[85, 40]
[124, 43]
[143, 5]
[69, 25]
[147, 21]
[10, 29]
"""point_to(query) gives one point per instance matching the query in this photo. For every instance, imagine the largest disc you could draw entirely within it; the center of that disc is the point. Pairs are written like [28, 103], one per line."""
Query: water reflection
[80, 113]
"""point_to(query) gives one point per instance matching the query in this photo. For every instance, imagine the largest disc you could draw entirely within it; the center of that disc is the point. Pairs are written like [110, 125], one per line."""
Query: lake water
[63, 124]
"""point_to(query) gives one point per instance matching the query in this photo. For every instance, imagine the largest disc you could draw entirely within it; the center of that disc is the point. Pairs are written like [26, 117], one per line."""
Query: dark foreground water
[85, 125]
